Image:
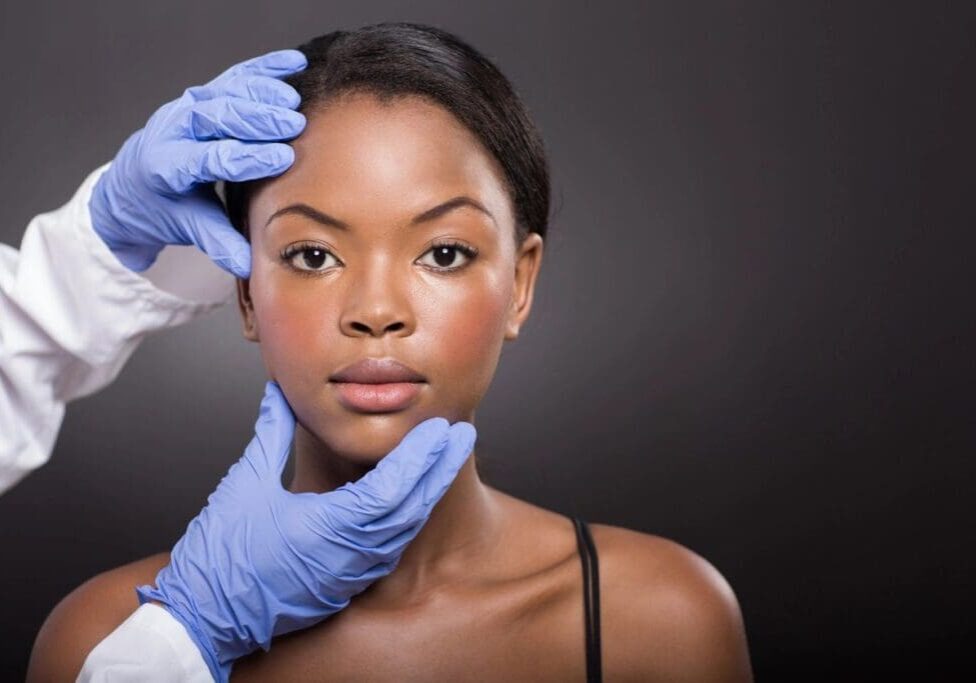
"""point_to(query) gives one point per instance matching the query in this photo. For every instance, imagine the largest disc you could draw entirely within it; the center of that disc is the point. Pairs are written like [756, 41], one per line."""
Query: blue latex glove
[159, 188]
[260, 561]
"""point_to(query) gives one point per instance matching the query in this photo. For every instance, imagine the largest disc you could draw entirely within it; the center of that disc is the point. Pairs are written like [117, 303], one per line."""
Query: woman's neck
[464, 527]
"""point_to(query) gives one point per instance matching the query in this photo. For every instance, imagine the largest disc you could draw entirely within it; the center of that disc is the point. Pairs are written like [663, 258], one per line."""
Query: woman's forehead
[405, 155]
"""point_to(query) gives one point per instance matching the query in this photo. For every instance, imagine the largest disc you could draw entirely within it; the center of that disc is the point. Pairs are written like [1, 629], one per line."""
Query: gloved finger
[435, 482]
[276, 64]
[232, 160]
[138, 258]
[232, 117]
[414, 510]
[385, 486]
[208, 227]
[274, 430]
[249, 87]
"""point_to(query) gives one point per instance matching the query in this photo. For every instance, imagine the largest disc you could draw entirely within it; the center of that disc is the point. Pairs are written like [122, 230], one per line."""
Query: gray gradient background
[752, 333]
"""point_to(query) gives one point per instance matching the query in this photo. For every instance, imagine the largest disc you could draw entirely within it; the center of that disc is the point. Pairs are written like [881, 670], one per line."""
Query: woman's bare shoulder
[85, 616]
[666, 612]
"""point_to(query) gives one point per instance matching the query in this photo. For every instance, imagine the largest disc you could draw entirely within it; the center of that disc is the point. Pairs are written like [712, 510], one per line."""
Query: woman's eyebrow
[428, 215]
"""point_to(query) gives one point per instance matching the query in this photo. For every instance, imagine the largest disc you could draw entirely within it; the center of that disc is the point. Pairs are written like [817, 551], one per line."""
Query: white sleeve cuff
[149, 647]
[71, 315]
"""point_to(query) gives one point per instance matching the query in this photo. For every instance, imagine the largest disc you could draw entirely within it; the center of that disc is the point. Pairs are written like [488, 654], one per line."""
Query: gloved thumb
[274, 430]
[210, 229]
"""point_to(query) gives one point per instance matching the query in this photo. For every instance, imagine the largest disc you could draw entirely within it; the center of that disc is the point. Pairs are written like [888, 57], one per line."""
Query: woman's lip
[377, 398]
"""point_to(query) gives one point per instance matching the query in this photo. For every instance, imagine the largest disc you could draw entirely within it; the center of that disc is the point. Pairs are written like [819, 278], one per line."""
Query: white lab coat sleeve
[149, 647]
[71, 315]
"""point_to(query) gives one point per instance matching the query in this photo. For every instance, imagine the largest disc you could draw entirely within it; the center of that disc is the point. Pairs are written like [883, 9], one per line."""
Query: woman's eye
[308, 258]
[445, 256]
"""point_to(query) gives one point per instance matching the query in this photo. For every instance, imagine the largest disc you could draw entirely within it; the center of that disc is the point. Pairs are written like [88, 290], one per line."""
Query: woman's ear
[527, 263]
[249, 322]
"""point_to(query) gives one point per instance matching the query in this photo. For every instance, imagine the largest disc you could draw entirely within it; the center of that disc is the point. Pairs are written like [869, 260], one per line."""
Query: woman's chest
[480, 639]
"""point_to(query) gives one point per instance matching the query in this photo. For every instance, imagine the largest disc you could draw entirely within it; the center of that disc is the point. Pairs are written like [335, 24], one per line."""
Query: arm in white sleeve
[71, 315]
[148, 647]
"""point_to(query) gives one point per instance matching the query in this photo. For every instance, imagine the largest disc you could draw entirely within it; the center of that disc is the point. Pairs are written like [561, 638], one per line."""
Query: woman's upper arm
[675, 618]
[705, 629]
[84, 618]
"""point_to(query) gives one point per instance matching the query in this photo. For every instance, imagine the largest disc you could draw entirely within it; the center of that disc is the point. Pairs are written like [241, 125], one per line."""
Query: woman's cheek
[471, 337]
[289, 323]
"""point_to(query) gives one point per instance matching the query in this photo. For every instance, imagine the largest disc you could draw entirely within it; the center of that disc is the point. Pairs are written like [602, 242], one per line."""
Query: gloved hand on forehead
[159, 188]
[260, 561]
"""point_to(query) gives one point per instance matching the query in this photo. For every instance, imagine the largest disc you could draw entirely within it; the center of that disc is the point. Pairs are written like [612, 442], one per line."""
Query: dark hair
[401, 58]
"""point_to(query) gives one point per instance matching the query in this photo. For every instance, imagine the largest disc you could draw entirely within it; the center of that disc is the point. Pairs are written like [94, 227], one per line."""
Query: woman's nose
[377, 303]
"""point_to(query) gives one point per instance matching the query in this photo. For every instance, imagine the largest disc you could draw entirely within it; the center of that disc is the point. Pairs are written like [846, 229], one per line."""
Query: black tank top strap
[591, 600]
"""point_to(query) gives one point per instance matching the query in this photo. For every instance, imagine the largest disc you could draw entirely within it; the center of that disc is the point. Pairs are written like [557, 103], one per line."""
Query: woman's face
[321, 297]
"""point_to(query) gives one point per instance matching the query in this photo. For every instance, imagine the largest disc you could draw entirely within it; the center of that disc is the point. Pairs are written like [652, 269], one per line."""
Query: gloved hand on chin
[260, 561]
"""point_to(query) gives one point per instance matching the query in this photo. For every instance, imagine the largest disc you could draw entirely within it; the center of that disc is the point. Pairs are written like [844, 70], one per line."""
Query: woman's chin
[364, 439]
